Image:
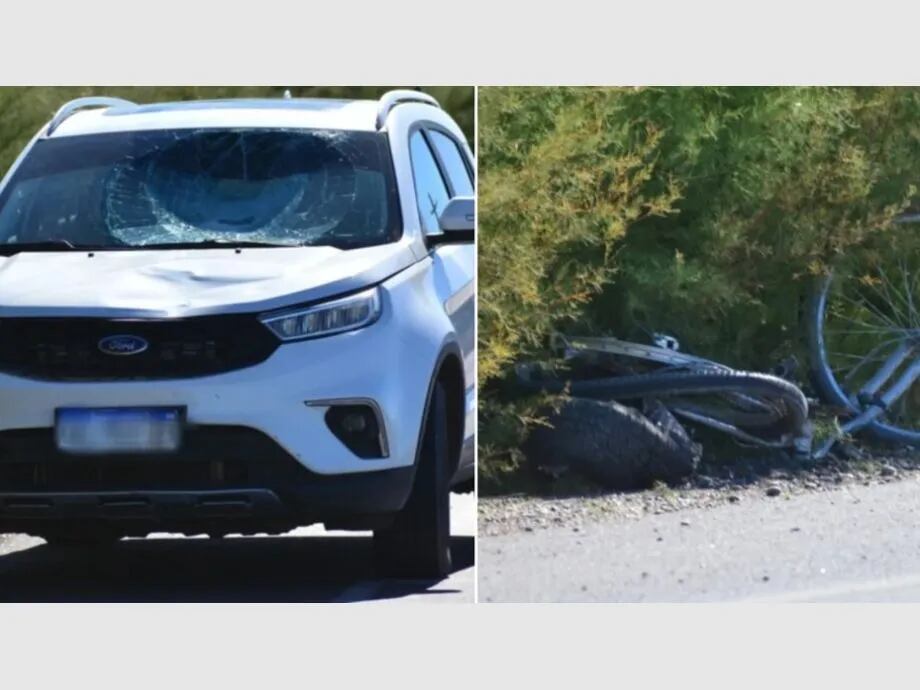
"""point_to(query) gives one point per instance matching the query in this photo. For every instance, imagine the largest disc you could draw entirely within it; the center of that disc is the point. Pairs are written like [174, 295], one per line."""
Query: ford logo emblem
[123, 345]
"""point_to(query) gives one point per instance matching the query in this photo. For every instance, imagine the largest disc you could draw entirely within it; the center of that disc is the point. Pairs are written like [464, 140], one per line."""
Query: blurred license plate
[118, 430]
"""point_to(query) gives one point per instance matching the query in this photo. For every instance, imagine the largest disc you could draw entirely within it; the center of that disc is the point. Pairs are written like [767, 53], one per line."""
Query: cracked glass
[204, 187]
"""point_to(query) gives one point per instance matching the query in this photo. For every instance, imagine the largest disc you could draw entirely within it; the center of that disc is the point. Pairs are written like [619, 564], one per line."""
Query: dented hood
[176, 283]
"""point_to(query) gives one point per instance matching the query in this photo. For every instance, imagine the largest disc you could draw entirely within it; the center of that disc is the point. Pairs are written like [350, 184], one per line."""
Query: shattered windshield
[203, 186]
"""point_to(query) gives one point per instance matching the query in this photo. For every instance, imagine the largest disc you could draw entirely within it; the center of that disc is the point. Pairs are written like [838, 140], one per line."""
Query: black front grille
[68, 349]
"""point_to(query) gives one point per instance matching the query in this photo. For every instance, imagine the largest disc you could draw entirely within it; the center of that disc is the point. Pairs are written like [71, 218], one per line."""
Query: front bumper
[233, 477]
[383, 363]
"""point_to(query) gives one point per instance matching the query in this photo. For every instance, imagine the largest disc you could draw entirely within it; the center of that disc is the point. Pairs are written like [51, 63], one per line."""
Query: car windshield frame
[42, 161]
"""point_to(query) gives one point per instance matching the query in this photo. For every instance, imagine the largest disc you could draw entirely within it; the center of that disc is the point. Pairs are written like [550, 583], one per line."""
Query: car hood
[173, 283]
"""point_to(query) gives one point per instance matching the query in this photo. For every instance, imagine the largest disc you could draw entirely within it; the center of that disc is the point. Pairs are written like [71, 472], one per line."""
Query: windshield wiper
[44, 246]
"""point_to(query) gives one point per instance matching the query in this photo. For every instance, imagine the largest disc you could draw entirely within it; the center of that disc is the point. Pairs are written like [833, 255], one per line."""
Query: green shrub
[701, 212]
[562, 179]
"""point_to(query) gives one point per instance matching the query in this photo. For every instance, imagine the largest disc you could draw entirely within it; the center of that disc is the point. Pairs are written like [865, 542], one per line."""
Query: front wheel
[616, 446]
[418, 542]
[863, 329]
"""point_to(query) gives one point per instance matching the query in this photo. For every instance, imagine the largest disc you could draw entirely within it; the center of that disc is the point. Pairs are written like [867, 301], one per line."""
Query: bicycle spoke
[863, 359]
[884, 325]
[872, 308]
[869, 325]
[865, 331]
[888, 283]
[882, 321]
[848, 355]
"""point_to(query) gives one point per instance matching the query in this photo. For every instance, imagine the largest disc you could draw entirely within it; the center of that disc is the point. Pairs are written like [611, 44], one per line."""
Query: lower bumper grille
[213, 457]
[140, 505]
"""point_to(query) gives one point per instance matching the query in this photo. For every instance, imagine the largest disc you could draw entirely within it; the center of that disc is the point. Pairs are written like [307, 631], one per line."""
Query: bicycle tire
[615, 445]
[739, 418]
[669, 384]
[744, 412]
[823, 377]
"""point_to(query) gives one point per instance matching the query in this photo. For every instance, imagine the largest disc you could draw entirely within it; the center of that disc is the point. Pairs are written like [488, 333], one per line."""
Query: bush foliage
[700, 212]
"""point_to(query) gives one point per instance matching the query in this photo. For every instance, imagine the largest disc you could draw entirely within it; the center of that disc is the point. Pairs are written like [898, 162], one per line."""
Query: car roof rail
[76, 104]
[391, 99]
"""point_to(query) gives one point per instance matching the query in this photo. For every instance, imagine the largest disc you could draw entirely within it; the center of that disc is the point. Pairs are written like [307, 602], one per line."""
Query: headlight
[338, 316]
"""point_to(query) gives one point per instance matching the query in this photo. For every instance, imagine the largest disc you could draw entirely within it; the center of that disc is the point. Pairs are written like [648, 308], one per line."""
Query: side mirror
[457, 221]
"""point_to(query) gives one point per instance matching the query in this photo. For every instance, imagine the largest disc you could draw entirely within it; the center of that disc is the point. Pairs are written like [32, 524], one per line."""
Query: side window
[453, 160]
[430, 189]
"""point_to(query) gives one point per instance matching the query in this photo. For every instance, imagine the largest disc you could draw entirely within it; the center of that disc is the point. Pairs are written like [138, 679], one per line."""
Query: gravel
[521, 512]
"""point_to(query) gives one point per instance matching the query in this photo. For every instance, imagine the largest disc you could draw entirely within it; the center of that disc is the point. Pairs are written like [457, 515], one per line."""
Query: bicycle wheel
[625, 358]
[667, 384]
[863, 330]
[616, 446]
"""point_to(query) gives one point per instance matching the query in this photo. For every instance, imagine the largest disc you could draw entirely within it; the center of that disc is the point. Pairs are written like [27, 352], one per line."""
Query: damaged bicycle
[625, 401]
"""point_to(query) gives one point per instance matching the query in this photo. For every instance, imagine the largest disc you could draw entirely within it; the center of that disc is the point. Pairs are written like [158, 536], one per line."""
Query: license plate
[118, 430]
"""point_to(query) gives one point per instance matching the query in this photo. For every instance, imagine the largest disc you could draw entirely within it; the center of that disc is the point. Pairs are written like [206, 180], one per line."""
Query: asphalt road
[860, 543]
[308, 565]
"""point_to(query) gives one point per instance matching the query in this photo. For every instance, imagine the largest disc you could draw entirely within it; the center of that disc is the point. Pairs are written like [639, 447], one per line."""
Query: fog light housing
[358, 424]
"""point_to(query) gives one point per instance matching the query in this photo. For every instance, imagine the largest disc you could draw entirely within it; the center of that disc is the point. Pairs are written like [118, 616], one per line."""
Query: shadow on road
[282, 569]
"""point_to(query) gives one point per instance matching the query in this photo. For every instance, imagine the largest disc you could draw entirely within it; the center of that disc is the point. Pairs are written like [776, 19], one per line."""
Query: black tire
[417, 544]
[615, 445]
[822, 374]
[666, 384]
[466, 487]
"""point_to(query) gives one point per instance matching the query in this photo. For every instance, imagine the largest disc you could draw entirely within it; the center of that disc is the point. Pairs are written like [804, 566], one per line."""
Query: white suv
[239, 316]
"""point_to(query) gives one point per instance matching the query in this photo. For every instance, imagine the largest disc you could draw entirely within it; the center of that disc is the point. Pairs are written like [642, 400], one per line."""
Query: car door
[442, 171]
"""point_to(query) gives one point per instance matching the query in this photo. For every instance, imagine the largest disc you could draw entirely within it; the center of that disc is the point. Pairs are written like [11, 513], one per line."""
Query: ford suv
[239, 316]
